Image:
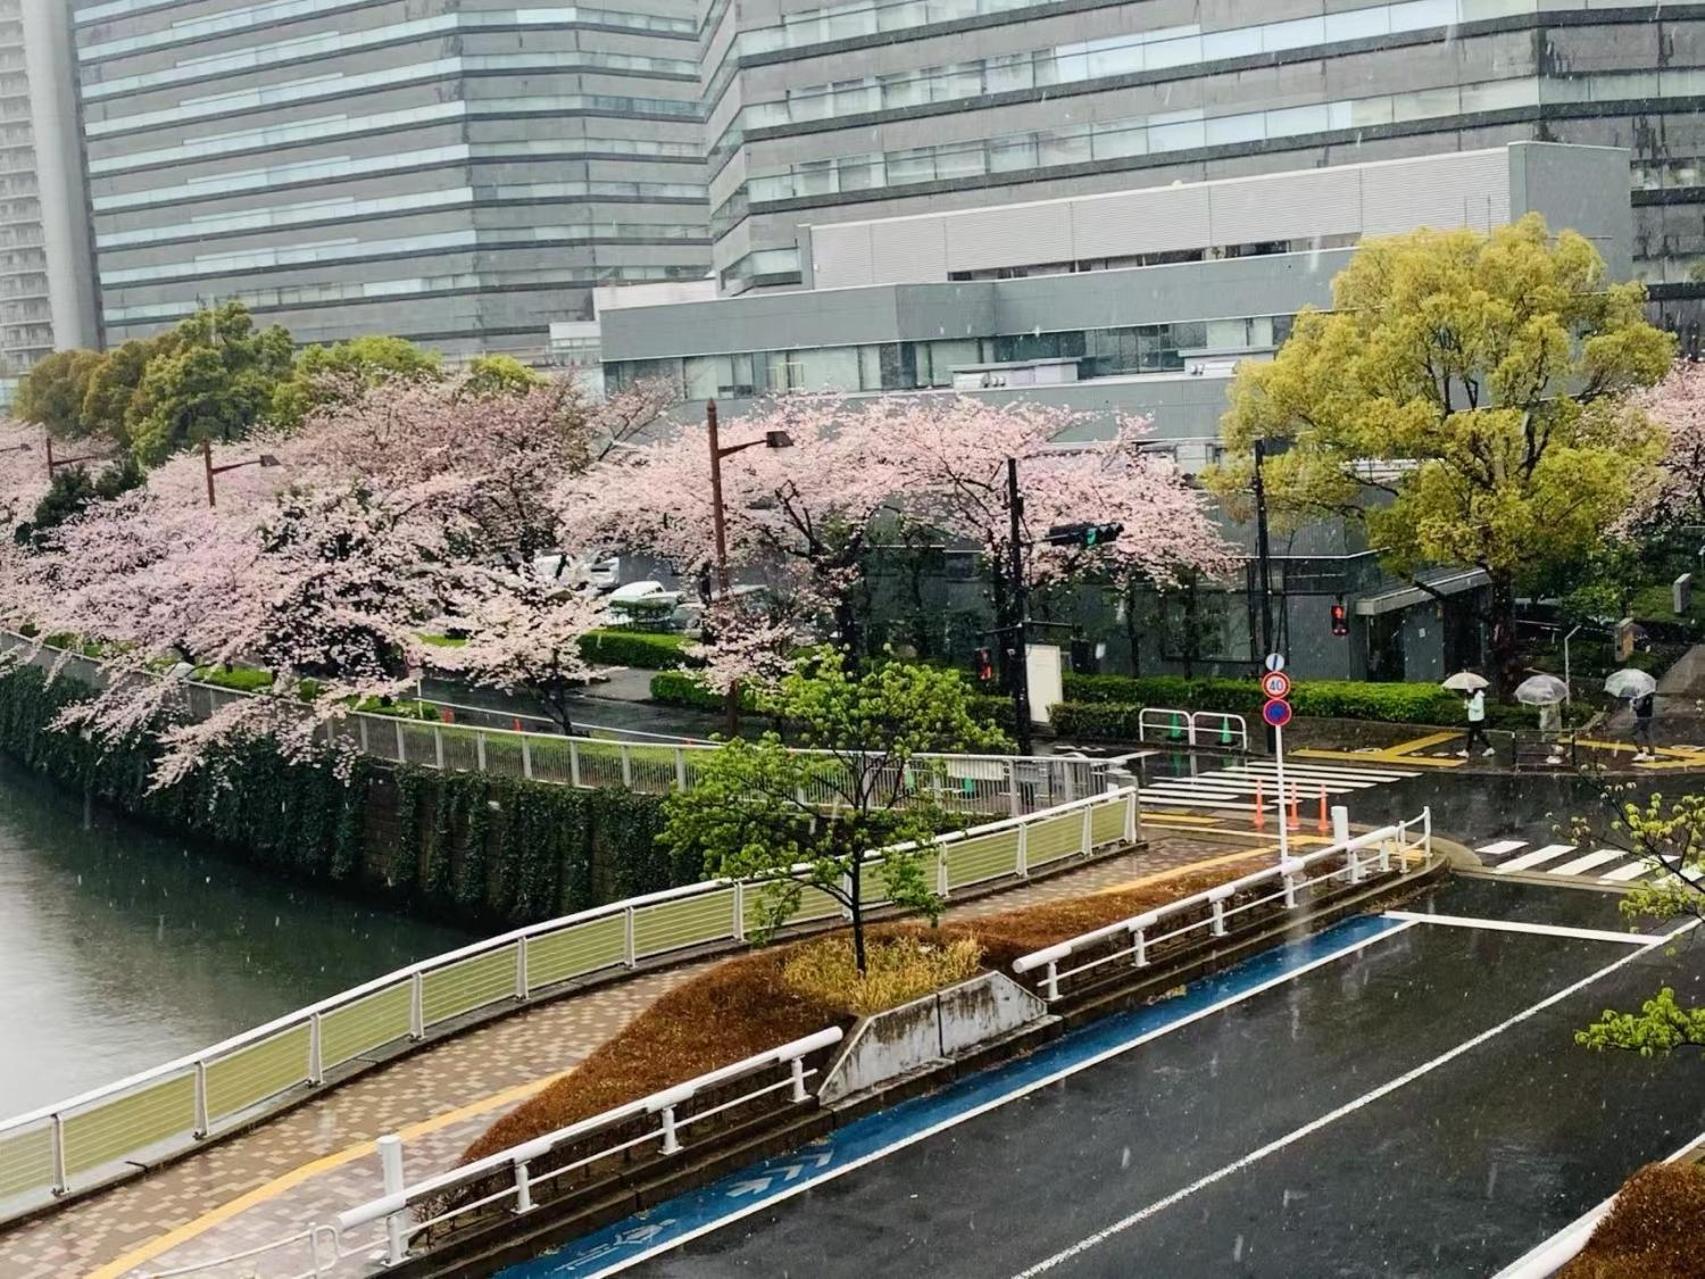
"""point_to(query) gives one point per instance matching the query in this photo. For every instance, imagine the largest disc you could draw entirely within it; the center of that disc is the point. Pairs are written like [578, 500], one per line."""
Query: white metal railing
[1212, 913]
[657, 1122]
[1193, 728]
[979, 785]
[78, 1144]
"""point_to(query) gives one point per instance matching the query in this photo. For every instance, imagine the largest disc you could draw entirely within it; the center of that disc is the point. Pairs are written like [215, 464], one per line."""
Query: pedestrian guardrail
[517, 1180]
[92, 1138]
[1193, 728]
[972, 785]
[1284, 888]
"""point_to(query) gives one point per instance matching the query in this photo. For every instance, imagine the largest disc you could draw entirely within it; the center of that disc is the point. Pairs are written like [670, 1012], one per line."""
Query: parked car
[647, 603]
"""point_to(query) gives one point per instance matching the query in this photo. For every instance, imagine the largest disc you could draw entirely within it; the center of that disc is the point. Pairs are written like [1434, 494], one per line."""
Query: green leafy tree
[490, 375]
[73, 490]
[335, 374]
[216, 384]
[862, 803]
[1475, 386]
[52, 392]
[1670, 836]
[112, 386]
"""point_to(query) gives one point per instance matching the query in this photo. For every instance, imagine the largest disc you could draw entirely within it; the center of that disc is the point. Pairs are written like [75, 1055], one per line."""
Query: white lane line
[1333, 785]
[1193, 801]
[1520, 926]
[1247, 785]
[1603, 857]
[1501, 847]
[1527, 861]
[1347, 774]
[995, 1103]
[1633, 870]
[1331, 1117]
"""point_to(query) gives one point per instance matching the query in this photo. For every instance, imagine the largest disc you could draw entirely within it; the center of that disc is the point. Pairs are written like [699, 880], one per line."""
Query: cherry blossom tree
[1677, 404]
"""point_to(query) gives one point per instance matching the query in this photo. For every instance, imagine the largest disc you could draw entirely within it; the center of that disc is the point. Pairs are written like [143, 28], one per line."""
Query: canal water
[121, 948]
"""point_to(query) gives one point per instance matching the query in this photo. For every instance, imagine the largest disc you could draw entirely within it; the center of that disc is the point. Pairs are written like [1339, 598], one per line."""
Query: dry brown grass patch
[899, 967]
[746, 1005]
[1655, 1229]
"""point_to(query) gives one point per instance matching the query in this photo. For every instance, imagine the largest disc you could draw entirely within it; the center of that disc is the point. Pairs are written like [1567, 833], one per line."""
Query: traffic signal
[1088, 536]
[983, 663]
[1340, 618]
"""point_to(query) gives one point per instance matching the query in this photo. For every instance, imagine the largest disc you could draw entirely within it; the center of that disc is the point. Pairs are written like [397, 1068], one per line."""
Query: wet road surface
[1405, 1102]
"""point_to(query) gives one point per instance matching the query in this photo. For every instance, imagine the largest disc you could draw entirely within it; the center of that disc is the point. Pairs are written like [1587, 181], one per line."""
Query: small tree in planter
[859, 803]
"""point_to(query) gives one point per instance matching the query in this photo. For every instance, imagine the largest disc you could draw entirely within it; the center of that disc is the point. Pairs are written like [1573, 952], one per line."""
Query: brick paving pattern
[526, 1048]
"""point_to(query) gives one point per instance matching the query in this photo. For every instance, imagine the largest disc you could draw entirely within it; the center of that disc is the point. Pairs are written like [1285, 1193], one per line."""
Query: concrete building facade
[457, 172]
[817, 114]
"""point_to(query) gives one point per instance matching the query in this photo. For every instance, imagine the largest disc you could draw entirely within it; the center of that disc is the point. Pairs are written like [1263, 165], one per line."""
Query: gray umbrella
[1542, 690]
[1630, 683]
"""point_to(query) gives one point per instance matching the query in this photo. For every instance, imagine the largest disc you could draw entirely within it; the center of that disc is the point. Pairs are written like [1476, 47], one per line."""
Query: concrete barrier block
[982, 1009]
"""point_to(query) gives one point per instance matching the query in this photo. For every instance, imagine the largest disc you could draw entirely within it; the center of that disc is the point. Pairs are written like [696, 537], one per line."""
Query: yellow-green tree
[339, 372]
[1465, 399]
[52, 392]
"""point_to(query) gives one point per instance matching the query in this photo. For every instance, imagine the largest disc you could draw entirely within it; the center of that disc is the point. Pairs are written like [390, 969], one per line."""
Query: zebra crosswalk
[1571, 861]
[1235, 787]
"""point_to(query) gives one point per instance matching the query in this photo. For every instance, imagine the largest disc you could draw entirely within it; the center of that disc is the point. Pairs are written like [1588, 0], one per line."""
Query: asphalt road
[1395, 1109]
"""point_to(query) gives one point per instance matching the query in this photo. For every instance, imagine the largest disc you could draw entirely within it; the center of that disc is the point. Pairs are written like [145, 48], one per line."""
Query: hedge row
[466, 847]
[648, 650]
[677, 688]
[1323, 698]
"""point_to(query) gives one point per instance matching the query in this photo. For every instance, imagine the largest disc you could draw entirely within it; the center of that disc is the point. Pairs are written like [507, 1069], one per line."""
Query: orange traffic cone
[1260, 806]
[1294, 820]
[1323, 825]
[517, 723]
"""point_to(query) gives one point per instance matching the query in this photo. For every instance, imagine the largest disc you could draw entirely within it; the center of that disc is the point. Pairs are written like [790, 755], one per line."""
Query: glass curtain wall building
[459, 172]
[963, 103]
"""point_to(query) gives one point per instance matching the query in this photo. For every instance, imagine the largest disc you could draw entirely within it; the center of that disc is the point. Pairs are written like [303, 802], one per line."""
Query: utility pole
[1263, 553]
[1019, 667]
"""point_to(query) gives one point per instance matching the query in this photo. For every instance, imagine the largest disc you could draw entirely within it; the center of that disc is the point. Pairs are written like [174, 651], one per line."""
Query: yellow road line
[1421, 743]
[1297, 838]
[1679, 753]
[306, 1172]
[1185, 817]
[1380, 757]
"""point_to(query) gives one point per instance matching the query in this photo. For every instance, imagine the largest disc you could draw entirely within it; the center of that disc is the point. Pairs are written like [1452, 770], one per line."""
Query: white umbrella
[1542, 690]
[1630, 683]
[1465, 682]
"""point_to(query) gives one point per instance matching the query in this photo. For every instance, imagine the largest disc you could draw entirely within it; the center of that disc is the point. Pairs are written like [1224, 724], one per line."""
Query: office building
[46, 289]
[885, 108]
[458, 173]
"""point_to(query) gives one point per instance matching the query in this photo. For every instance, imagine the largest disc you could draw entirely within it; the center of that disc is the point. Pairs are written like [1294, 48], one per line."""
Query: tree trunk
[1133, 636]
[857, 908]
[1505, 653]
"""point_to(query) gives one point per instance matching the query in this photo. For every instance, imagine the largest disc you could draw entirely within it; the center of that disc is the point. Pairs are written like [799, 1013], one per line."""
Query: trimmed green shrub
[1324, 698]
[677, 688]
[242, 679]
[647, 650]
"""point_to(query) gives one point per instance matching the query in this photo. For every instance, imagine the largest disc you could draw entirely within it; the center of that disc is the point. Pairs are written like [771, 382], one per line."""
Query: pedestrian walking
[1475, 703]
[1643, 710]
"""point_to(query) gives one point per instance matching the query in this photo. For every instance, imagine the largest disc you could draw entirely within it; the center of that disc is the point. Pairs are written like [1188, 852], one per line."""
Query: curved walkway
[295, 1170]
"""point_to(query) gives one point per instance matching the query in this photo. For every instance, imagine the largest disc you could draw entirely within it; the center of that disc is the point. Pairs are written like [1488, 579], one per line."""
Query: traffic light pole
[1019, 667]
[1263, 552]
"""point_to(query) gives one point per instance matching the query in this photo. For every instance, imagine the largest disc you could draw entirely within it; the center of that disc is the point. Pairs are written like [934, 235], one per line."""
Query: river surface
[121, 948]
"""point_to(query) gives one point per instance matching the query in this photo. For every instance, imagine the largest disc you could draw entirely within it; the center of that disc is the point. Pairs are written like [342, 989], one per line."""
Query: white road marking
[1501, 847]
[1633, 870]
[1035, 1085]
[1520, 926]
[1527, 861]
[1242, 782]
[1332, 770]
[1602, 857]
[1331, 1117]
[1331, 783]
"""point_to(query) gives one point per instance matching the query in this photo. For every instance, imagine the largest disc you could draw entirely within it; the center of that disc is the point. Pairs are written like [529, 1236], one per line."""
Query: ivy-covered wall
[463, 847]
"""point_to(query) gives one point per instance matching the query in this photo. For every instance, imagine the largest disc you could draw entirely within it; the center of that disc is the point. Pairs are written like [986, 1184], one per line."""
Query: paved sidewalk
[295, 1171]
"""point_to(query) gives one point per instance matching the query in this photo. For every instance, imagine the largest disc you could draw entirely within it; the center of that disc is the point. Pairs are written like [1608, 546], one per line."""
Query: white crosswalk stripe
[1234, 788]
[1527, 861]
[1580, 865]
[1555, 859]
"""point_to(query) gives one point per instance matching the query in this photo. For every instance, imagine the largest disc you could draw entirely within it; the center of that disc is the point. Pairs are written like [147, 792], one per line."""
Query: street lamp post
[769, 440]
[1019, 667]
[54, 463]
[265, 459]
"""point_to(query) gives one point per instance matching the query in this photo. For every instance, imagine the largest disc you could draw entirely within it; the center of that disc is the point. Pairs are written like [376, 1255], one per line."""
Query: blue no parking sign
[1277, 712]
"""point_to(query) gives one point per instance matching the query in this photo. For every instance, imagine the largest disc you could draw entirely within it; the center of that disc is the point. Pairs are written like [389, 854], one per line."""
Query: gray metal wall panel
[1458, 190]
[1002, 236]
[902, 252]
[841, 255]
[1296, 205]
[1141, 222]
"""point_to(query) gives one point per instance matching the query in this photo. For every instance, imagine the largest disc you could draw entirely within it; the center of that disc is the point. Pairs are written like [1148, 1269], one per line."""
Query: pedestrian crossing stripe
[1556, 859]
[1329, 770]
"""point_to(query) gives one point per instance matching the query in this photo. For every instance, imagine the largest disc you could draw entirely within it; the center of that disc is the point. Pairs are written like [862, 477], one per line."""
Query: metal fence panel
[551, 762]
[600, 765]
[576, 950]
[468, 984]
[1107, 823]
[971, 861]
[461, 749]
[814, 903]
[26, 1162]
[1052, 838]
[237, 1082]
[687, 921]
[364, 1025]
[123, 1127]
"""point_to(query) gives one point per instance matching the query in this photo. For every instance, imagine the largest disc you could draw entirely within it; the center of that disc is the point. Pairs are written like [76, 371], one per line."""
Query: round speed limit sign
[1276, 684]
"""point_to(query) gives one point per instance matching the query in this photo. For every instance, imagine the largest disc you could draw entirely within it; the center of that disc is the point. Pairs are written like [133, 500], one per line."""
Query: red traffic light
[1340, 619]
[983, 664]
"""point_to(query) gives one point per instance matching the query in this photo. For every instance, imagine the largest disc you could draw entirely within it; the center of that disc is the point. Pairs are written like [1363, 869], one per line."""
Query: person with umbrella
[1641, 690]
[1473, 689]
